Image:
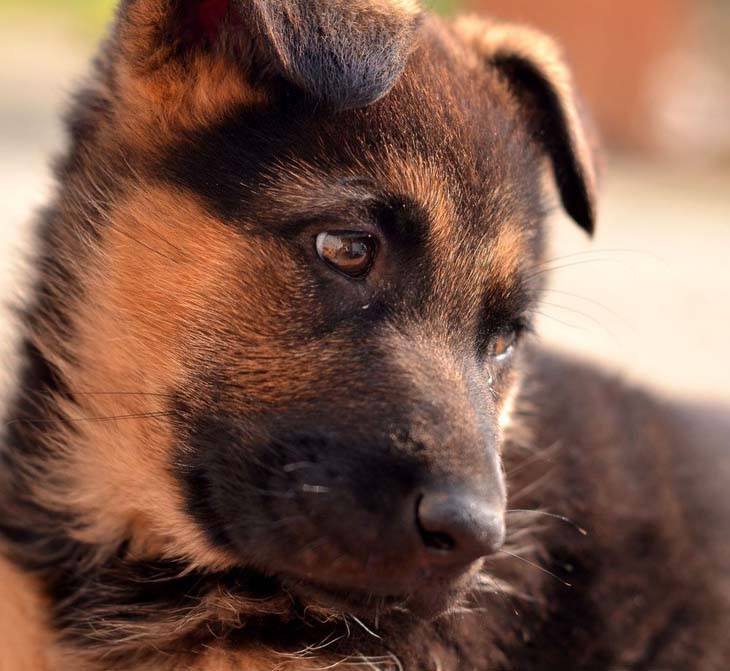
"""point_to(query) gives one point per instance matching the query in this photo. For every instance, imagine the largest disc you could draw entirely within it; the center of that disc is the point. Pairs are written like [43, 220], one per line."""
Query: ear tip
[584, 214]
[343, 55]
[589, 226]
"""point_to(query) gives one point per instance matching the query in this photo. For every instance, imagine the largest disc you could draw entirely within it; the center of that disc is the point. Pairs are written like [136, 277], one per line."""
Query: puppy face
[303, 305]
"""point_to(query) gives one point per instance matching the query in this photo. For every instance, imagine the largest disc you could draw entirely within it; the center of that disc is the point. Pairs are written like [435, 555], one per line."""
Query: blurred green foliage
[443, 6]
[85, 16]
[90, 16]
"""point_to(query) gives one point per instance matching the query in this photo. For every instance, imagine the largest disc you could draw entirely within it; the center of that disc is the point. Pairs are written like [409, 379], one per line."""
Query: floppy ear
[538, 77]
[347, 53]
[181, 61]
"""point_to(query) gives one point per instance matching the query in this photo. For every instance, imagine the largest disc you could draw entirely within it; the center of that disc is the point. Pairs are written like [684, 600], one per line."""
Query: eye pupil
[352, 253]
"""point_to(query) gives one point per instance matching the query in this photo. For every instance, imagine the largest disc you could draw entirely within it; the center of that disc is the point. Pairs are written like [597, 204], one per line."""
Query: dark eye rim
[509, 348]
[372, 238]
[515, 331]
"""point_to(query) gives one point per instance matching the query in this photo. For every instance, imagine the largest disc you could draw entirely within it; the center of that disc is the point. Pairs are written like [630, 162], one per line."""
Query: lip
[343, 600]
[432, 596]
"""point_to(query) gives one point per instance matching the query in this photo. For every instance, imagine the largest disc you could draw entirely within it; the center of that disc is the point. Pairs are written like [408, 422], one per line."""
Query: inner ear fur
[181, 62]
[538, 77]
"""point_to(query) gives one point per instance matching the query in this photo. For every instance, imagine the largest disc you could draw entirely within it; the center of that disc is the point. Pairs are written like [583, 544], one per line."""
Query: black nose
[458, 528]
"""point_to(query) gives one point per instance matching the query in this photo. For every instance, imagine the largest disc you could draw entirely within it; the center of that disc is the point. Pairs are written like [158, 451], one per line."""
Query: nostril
[434, 540]
[457, 527]
[438, 541]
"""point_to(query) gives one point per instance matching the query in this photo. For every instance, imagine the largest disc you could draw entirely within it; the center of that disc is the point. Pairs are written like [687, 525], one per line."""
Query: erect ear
[540, 80]
[193, 58]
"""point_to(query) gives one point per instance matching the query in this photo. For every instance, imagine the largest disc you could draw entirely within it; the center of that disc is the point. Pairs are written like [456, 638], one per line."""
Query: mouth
[290, 611]
[433, 596]
[343, 600]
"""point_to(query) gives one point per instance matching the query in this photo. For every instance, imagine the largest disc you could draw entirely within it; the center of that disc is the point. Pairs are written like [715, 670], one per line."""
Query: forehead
[447, 138]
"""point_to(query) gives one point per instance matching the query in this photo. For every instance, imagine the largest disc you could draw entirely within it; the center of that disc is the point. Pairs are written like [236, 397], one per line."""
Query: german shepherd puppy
[278, 407]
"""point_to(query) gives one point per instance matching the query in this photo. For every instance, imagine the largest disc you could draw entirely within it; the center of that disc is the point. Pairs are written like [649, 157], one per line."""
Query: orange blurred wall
[613, 47]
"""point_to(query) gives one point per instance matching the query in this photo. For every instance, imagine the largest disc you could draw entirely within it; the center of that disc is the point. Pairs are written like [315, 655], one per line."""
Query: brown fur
[24, 634]
[179, 327]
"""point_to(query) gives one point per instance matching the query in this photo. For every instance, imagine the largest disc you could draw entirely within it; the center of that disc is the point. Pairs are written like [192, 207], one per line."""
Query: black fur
[398, 388]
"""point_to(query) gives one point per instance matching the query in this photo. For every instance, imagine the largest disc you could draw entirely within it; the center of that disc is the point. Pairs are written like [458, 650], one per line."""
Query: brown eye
[502, 345]
[350, 252]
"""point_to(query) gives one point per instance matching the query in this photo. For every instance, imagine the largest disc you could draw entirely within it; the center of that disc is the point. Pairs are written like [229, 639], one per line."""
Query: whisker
[296, 466]
[315, 489]
[562, 518]
[585, 315]
[158, 235]
[596, 252]
[286, 521]
[528, 489]
[495, 588]
[591, 301]
[569, 265]
[121, 393]
[529, 461]
[366, 628]
[271, 493]
[110, 418]
[379, 603]
[146, 246]
[537, 566]
[560, 321]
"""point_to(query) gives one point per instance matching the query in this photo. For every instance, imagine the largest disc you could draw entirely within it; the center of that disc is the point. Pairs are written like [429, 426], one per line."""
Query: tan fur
[508, 407]
[226, 660]
[129, 354]
[24, 638]
[220, 607]
[159, 94]
[159, 104]
[507, 253]
[406, 7]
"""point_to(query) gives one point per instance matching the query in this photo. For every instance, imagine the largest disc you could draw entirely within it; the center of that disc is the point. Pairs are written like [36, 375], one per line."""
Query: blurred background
[650, 295]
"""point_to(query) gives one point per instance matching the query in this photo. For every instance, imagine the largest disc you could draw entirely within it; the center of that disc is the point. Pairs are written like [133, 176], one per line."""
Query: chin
[428, 598]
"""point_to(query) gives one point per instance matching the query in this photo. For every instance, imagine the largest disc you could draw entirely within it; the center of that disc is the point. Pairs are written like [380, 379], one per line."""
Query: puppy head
[303, 297]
